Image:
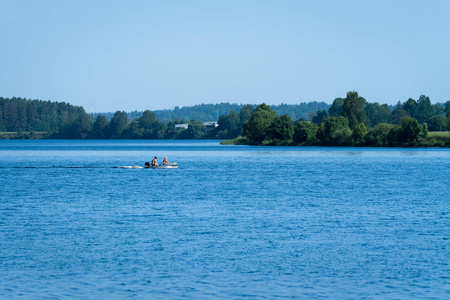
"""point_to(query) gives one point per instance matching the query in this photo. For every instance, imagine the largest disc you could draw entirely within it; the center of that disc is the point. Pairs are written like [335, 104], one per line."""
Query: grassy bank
[439, 134]
[24, 135]
[237, 141]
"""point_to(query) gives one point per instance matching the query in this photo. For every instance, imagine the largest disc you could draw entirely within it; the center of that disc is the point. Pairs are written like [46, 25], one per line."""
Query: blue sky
[137, 55]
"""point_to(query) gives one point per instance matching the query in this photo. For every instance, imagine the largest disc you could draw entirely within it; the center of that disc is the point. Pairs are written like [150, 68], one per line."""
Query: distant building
[185, 126]
[211, 124]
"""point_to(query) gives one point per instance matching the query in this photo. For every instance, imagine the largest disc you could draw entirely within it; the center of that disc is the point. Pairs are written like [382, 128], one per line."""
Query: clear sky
[137, 55]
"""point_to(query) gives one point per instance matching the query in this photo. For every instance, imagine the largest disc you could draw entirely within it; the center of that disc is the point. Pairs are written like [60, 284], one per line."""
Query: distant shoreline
[433, 143]
[435, 140]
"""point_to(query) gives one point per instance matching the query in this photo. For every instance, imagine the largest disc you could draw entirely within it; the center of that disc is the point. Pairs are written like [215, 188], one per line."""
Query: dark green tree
[410, 106]
[148, 127]
[281, 129]
[377, 113]
[246, 113]
[229, 125]
[304, 132]
[336, 108]
[133, 131]
[100, 127]
[438, 110]
[147, 119]
[80, 126]
[118, 124]
[334, 131]
[398, 113]
[410, 130]
[317, 119]
[255, 129]
[353, 109]
[436, 123]
[424, 109]
[394, 136]
[377, 136]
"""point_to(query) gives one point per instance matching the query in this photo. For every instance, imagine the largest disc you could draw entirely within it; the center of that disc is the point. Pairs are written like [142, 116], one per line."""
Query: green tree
[229, 126]
[133, 131]
[317, 119]
[148, 127]
[424, 109]
[438, 110]
[359, 133]
[395, 135]
[303, 132]
[410, 130]
[410, 106]
[398, 113]
[377, 136]
[353, 109]
[80, 126]
[377, 113]
[281, 129]
[424, 130]
[437, 123]
[336, 108]
[245, 113]
[100, 127]
[147, 119]
[255, 129]
[118, 124]
[334, 131]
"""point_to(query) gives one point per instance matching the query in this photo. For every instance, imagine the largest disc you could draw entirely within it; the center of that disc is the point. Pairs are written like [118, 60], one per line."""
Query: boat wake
[169, 166]
[130, 167]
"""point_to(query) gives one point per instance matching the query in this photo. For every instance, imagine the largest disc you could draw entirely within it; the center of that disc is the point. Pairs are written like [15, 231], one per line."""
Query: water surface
[230, 222]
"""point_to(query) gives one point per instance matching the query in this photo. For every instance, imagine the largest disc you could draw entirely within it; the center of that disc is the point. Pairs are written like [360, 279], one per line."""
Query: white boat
[148, 166]
[162, 166]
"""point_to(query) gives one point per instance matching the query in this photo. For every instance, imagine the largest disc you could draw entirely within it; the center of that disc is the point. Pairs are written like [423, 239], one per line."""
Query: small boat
[162, 166]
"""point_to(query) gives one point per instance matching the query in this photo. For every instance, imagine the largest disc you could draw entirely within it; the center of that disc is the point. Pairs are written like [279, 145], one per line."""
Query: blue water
[231, 222]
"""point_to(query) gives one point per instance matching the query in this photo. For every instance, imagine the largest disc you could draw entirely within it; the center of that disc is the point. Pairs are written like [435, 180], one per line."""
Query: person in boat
[165, 162]
[154, 162]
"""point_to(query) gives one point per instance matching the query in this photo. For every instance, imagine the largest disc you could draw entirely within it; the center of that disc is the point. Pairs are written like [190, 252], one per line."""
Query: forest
[21, 118]
[347, 121]
[352, 121]
[212, 112]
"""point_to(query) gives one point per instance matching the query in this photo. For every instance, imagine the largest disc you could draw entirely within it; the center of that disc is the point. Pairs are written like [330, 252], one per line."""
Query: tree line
[348, 121]
[212, 112]
[23, 118]
[18, 114]
[353, 121]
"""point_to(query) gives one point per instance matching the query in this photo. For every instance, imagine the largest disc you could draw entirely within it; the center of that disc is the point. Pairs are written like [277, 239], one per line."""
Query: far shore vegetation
[350, 121]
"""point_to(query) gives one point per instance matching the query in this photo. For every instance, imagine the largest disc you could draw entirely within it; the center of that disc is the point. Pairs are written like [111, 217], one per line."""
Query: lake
[230, 222]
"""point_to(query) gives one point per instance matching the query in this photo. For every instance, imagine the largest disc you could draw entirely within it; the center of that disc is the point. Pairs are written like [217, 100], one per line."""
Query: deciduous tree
[334, 131]
[303, 132]
[336, 108]
[281, 129]
[359, 133]
[255, 129]
[354, 110]
[118, 124]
